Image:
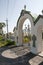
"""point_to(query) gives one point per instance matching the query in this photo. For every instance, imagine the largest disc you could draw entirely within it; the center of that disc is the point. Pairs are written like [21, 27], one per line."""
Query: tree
[2, 25]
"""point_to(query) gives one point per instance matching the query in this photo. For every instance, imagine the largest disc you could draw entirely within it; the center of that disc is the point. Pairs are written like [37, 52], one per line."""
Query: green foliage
[9, 42]
[27, 39]
[1, 37]
[2, 43]
[2, 25]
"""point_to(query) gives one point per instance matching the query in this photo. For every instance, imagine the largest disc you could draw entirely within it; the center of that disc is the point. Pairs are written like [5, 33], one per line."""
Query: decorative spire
[24, 7]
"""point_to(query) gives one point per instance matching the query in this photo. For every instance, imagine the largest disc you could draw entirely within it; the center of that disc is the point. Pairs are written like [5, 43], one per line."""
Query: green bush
[2, 43]
[1, 37]
[27, 39]
[9, 42]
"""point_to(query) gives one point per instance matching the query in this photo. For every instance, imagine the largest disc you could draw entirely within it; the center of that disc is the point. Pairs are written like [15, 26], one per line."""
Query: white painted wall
[38, 32]
[35, 30]
[21, 21]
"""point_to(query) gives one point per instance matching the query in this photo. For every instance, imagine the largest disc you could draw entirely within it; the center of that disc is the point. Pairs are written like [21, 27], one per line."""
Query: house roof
[34, 16]
[40, 16]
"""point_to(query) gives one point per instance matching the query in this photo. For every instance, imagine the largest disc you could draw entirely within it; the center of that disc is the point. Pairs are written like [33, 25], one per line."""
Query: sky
[11, 9]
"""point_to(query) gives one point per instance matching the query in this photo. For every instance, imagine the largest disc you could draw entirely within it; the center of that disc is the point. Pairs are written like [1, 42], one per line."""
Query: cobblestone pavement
[22, 60]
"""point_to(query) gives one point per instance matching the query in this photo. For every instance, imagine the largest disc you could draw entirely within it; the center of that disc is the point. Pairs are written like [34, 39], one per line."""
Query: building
[36, 44]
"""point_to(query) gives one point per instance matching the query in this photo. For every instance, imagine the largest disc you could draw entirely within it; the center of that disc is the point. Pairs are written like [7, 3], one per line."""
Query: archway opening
[26, 32]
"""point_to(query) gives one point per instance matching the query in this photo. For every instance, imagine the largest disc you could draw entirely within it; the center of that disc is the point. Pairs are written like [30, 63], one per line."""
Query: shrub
[27, 39]
[9, 42]
[1, 37]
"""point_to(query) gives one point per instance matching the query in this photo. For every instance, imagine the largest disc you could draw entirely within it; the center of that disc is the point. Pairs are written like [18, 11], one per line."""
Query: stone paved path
[41, 54]
[23, 60]
[36, 60]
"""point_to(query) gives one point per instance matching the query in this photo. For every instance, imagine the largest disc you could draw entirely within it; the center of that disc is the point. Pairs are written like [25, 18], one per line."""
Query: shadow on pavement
[23, 60]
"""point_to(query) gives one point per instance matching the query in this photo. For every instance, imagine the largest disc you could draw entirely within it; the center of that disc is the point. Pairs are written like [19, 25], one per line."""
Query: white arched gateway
[18, 30]
[36, 44]
[24, 15]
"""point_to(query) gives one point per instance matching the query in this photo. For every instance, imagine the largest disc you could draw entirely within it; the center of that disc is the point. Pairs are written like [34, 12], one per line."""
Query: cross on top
[24, 7]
